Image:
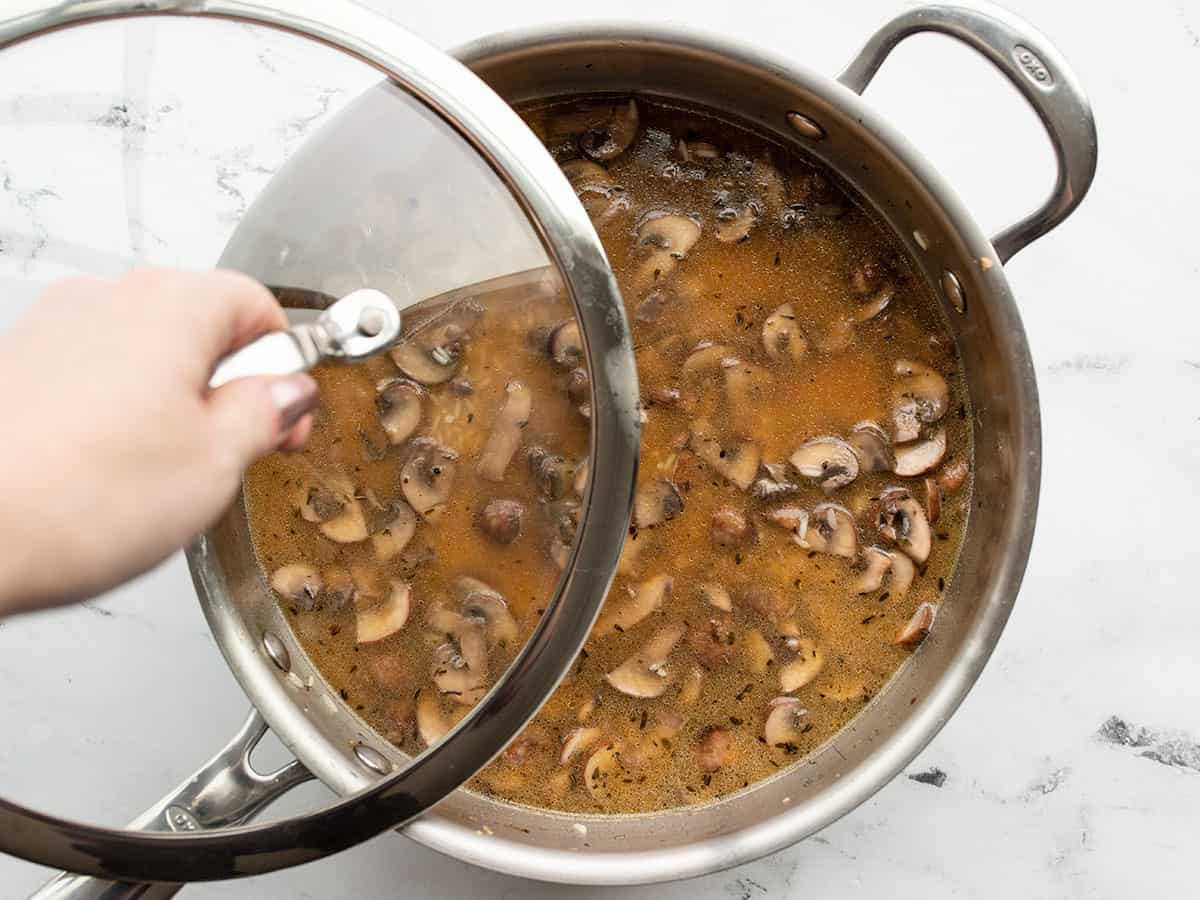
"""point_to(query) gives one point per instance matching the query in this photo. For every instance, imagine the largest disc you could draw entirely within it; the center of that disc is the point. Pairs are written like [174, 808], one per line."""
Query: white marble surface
[109, 156]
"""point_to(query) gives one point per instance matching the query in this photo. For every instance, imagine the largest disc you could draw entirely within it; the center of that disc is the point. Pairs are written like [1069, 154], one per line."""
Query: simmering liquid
[803, 488]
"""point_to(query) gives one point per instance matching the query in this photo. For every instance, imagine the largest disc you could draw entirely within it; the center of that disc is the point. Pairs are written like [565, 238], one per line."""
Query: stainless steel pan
[828, 119]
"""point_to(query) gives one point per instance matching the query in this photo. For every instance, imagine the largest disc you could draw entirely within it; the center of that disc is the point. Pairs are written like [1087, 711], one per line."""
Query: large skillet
[827, 119]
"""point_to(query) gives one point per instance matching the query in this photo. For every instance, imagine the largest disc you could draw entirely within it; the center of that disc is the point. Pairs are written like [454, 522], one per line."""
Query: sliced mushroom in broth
[804, 482]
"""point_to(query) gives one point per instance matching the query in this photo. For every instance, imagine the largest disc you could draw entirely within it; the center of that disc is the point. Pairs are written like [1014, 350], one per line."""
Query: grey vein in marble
[934, 777]
[1170, 749]
[1108, 364]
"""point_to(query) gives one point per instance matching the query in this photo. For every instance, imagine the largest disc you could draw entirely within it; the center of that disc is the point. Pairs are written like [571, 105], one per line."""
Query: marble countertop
[1071, 771]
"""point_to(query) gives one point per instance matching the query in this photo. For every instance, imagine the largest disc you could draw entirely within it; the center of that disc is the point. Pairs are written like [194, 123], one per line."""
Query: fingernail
[294, 397]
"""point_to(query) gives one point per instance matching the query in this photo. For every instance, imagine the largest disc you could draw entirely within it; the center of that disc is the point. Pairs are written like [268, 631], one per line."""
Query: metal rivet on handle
[805, 126]
[277, 651]
[370, 322]
[954, 291]
[372, 759]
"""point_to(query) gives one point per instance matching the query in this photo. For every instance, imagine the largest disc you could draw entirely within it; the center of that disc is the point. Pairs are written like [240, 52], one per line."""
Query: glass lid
[398, 599]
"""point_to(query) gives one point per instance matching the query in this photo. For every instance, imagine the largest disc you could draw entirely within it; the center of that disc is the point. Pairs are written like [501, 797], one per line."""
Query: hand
[115, 452]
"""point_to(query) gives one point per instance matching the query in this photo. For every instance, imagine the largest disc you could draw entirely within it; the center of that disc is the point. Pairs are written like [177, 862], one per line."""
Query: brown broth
[720, 292]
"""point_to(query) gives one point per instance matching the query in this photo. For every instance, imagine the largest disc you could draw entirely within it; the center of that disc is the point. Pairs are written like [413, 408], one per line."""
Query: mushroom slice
[921, 623]
[713, 643]
[921, 396]
[585, 173]
[338, 589]
[645, 674]
[921, 456]
[689, 691]
[698, 151]
[601, 768]
[427, 478]
[552, 473]
[587, 708]
[757, 652]
[576, 742]
[772, 482]
[847, 689]
[432, 724]
[349, 527]
[501, 627]
[878, 564]
[399, 402]
[730, 527]
[559, 551]
[804, 668]
[390, 541]
[785, 722]
[609, 135]
[441, 329]
[465, 585]
[717, 597]
[370, 587]
[525, 745]
[581, 477]
[733, 226]
[444, 621]
[714, 749]
[672, 233]
[460, 672]
[579, 385]
[297, 582]
[904, 572]
[631, 549]
[867, 276]
[790, 518]
[829, 460]
[830, 530]
[320, 501]
[707, 355]
[657, 503]
[781, 336]
[425, 366]
[877, 304]
[385, 619]
[507, 431]
[953, 475]
[565, 344]
[872, 447]
[647, 599]
[902, 521]
[501, 520]
[768, 602]
[670, 237]
[933, 500]
[738, 464]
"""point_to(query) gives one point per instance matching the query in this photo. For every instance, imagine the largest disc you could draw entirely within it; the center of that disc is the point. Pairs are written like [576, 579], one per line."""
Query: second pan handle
[225, 791]
[1028, 60]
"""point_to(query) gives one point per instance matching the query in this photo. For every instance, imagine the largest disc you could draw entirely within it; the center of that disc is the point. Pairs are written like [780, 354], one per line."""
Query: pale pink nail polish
[294, 397]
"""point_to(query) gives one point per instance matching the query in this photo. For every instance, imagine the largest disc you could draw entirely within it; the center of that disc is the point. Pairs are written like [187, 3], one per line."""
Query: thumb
[253, 416]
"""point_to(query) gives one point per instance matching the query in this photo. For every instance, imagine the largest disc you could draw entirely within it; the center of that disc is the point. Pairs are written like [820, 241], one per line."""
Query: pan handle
[227, 790]
[1036, 69]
